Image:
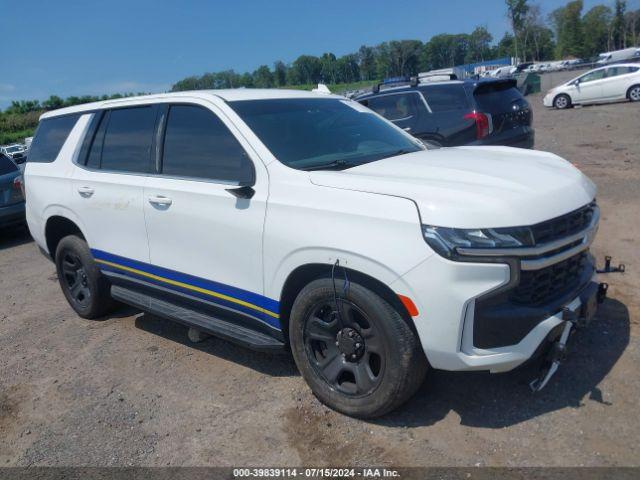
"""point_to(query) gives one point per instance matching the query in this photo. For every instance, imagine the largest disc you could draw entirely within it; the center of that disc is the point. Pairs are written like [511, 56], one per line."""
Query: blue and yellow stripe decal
[244, 301]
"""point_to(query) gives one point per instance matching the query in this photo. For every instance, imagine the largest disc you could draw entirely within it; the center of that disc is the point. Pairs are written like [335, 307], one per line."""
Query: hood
[473, 187]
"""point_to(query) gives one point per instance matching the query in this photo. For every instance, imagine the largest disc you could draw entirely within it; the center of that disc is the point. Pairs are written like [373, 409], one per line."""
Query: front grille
[542, 286]
[563, 226]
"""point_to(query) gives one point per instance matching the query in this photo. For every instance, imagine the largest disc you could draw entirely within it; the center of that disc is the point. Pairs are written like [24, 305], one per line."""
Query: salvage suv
[288, 220]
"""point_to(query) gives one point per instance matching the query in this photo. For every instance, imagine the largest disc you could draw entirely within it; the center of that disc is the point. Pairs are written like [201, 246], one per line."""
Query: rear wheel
[634, 93]
[562, 101]
[364, 362]
[84, 286]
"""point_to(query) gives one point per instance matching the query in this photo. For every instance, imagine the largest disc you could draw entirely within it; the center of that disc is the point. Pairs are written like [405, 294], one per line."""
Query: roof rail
[431, 76]
[395, 82]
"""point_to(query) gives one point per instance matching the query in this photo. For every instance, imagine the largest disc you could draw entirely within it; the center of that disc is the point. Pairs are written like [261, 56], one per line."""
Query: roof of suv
[402, 88]
[229, 95]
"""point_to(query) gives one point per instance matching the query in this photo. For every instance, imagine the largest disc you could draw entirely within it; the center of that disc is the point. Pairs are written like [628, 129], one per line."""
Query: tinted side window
[615, 71]
[51, 135]
[394, 107]
[445, 98]
[93, 158]
[6, 165]
[127, 139]
[197, 144]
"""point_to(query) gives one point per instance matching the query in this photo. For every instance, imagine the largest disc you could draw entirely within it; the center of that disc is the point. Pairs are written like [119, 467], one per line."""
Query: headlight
[445, 241]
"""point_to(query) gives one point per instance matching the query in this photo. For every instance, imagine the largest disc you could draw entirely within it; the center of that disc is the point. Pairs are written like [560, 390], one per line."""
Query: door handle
[160, 200]
[85, 191]
[407, 129]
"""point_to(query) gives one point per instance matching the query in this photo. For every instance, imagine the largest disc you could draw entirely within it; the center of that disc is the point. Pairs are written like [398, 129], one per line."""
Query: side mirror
[245, 192]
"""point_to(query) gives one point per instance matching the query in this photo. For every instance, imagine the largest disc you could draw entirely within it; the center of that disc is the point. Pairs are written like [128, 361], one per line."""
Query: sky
[66, 47]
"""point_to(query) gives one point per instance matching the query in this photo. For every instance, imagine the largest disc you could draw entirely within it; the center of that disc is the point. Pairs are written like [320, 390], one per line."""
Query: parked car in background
[604, 84]
[315, 226]
[16, 152]
[12, 205]
[619, 55]
[454, 113]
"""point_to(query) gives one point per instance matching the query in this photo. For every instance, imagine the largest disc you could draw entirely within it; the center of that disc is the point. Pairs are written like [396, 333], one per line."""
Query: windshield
[319, 133]
[13, 149]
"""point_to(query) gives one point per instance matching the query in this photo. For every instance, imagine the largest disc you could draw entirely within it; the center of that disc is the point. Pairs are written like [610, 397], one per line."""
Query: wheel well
[305, 274]
[562, 95]
[56, 229]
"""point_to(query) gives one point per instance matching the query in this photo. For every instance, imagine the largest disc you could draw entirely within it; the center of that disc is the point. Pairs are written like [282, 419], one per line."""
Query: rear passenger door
[204, 241]
[617, 82]
[108, 185]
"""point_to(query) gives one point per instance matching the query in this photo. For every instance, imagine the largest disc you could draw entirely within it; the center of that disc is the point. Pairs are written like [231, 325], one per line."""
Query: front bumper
[445, 293]
[493, 313]
[547, 101]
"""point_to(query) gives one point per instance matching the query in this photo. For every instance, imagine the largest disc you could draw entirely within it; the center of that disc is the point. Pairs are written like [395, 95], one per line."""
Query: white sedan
[605, 84]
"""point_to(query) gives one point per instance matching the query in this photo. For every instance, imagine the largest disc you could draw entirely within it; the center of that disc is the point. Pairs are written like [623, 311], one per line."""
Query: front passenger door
[204, 242]
[589, 87]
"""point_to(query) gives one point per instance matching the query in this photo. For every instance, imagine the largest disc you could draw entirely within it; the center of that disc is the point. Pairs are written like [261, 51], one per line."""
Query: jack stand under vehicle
[580, 317]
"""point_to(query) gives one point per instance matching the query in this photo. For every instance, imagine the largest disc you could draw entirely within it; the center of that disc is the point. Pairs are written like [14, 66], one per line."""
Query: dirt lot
[131, 390]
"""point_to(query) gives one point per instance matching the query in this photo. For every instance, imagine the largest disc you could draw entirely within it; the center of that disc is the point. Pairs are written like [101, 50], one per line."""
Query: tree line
[20, 119]
[566, 32]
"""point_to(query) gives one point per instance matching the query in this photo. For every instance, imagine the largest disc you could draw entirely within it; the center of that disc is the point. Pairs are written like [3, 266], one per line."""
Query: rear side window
[198, 145]
[615, 71]
[394, 107]
[128, 135]
[497, 98]
[49, 138]
[446, 98]
[95, 153]
[6, 165]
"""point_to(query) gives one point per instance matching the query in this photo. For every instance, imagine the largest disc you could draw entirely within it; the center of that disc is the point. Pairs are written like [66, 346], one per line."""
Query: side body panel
[377, 235]
[207, 232]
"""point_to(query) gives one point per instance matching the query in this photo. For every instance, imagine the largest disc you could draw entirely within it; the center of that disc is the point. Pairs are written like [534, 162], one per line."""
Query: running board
[206, 323]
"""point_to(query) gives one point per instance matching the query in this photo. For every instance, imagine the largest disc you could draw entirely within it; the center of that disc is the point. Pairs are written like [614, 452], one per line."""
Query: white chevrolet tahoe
[289, 220]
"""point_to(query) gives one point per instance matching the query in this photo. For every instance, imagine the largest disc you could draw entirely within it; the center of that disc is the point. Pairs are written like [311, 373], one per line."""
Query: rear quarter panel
[48, 185]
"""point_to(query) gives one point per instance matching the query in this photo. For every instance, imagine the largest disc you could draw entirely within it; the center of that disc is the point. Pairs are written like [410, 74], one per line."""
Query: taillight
[18, 186]
[484, 125]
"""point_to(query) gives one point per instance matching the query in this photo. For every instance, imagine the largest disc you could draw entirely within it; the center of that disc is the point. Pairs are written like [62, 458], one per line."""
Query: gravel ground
[132, 390]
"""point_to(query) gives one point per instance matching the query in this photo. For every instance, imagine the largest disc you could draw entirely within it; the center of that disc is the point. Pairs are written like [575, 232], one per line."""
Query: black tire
[562, 101]
[367, 381]
[84, 286]
[633, 93]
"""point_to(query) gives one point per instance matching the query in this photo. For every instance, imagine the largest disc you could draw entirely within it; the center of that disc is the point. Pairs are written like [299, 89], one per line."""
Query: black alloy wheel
[346, 350]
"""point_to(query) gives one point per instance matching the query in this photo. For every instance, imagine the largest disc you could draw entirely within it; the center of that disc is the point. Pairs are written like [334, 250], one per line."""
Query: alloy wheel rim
[561, 102]
[75, 279]
[635, 94]
[348, 357]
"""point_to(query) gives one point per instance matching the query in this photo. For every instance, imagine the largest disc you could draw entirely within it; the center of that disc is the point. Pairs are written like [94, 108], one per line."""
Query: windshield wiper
[402, 151]
[336, 164]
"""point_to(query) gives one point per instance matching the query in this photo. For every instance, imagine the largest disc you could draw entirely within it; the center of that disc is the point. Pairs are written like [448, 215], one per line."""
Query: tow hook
[602, 291]
[609, 269]
[557, 352]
